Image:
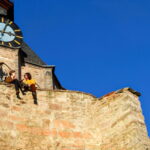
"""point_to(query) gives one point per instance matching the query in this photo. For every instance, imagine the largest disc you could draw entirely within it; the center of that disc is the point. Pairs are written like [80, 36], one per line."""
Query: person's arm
[13, 77]
[37, 84]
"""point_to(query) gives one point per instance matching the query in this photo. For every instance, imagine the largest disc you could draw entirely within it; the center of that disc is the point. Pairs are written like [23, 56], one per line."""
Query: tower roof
[31, 56]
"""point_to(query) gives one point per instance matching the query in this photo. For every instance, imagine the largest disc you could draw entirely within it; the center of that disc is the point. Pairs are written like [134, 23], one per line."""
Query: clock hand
[9, 33]
[5, 27]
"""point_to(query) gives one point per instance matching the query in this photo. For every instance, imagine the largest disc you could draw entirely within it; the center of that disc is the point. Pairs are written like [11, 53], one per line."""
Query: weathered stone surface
[70, 120]
[42, 75]
[10, 57]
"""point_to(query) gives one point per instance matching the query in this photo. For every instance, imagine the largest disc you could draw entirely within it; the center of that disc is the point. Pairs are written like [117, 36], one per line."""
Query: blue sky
[98, 46]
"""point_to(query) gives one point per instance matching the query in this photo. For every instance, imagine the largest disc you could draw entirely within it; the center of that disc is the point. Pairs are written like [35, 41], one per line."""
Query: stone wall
[10, 58]
[71, 120]
[42, 75]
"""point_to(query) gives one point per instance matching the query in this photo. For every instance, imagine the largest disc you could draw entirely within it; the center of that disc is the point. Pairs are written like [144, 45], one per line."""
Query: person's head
[27, 76]
[12, 73]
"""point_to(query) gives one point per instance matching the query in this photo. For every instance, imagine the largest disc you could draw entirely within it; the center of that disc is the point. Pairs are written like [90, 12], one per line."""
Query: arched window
[4, 70]
[48, 79]
[48, 73]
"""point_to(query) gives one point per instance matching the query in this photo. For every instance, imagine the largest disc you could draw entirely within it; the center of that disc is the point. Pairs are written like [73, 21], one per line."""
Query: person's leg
[16, 83]
[19, 86]
[34, 94]
[25, 87]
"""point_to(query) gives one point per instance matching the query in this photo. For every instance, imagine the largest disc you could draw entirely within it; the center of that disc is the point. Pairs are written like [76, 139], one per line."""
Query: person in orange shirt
[29, 84]
[13, 80]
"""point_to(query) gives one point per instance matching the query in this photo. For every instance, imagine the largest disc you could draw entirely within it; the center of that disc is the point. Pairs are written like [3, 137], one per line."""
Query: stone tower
[64, 120]
[17, 55]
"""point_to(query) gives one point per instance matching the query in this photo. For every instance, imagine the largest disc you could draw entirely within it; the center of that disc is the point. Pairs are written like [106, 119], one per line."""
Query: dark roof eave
[43, 66]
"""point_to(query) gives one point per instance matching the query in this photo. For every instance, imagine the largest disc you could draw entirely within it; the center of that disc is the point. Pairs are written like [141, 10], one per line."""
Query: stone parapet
[70, 120]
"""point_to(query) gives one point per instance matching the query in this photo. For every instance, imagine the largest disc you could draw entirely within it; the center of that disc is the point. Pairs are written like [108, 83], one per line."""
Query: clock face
[10, 34]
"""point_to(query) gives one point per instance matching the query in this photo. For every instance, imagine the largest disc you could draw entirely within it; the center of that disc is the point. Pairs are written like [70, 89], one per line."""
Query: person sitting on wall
[29, 84]
[13, 80]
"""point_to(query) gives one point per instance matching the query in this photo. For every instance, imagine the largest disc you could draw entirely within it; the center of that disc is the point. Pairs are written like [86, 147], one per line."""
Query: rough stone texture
[42, 75]
[70, 120]
[10, 58]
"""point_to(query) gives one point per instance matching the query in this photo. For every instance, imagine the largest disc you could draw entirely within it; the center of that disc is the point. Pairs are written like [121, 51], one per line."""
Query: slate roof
[3, 11]
[31, 56]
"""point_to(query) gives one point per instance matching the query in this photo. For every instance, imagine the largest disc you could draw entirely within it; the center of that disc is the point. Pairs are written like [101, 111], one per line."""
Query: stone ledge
[128, 89]
[80, 92]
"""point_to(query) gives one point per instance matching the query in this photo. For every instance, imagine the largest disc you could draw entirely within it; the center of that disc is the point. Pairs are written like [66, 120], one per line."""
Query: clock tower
[16, 55]
[9, 58]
